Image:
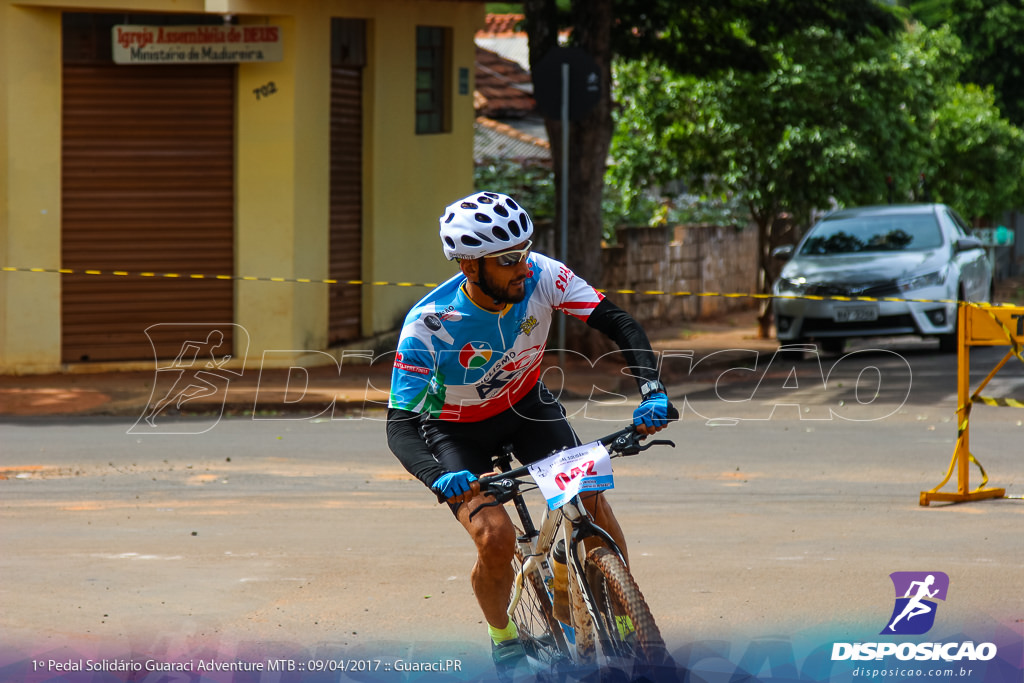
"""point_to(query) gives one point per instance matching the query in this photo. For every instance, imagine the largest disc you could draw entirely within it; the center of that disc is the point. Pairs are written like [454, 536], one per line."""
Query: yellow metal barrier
[979, 325]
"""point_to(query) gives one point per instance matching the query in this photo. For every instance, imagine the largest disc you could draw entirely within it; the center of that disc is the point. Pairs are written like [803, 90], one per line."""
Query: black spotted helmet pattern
[483, 223]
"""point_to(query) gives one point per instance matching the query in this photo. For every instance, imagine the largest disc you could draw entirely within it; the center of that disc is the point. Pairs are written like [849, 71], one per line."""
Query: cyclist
[466, 380]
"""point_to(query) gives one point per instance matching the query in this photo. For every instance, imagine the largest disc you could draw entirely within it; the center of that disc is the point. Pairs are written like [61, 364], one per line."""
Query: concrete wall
[696, 258]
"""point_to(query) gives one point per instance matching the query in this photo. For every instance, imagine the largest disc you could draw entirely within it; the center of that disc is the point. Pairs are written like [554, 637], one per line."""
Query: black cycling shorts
[535, 426]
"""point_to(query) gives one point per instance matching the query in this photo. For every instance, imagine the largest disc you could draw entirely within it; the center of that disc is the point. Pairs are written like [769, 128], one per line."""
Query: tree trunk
[764, 222]
[589, 142]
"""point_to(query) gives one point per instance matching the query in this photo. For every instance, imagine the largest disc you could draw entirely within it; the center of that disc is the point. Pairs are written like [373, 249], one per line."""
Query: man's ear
[470, 268]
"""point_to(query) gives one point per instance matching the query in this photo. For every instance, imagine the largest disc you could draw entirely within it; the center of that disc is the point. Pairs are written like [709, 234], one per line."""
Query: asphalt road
[791, 497]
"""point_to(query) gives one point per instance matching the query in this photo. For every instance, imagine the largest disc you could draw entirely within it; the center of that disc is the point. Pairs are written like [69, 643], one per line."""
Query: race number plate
[855, 314]
[567, 473]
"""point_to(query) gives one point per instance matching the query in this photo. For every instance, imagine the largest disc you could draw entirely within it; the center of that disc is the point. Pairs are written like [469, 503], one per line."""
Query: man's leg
[492, 576]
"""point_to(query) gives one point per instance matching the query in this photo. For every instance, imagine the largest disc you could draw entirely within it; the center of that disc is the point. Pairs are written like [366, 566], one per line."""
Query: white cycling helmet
[483, 223]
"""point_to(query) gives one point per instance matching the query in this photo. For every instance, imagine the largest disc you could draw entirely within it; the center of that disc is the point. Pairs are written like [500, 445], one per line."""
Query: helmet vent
[483, 223]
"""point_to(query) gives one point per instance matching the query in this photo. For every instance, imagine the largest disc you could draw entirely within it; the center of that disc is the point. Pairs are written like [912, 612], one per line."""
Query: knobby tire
[616, 594]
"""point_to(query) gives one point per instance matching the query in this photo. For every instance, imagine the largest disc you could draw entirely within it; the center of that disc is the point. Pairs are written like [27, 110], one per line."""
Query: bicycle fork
[580, 527]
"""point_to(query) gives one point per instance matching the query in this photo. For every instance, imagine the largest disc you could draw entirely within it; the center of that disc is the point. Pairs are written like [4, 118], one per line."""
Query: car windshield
[873, 233]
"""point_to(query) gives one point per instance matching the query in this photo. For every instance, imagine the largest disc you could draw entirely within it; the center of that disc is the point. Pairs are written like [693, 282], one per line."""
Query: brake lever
[478, 508]
[657, 442]
[502, 496]
[629, 444]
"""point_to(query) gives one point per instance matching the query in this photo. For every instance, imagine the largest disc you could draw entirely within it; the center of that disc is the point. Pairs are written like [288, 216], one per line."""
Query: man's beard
[500, 295]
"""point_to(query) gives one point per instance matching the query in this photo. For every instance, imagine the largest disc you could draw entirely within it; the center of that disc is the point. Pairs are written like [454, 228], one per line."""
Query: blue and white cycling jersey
[460, 362]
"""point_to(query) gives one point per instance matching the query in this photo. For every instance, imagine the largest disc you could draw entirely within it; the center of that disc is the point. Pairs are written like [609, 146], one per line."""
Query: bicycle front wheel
[627, 628]
[539, 631]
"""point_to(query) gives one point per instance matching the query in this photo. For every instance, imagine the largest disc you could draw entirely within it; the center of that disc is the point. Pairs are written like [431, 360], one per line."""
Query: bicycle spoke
[539, 631]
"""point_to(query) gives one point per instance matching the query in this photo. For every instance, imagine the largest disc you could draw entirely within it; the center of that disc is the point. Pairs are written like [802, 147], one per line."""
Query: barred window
[432, 87]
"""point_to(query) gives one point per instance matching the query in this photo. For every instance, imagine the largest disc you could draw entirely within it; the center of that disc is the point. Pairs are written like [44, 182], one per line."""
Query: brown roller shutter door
[148, 186]
[346, 203]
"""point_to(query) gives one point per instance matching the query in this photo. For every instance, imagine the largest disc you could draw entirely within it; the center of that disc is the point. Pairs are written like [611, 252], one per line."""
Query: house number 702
[265, 90]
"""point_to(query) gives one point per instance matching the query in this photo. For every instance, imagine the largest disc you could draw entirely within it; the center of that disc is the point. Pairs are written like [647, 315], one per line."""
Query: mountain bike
[574, 601]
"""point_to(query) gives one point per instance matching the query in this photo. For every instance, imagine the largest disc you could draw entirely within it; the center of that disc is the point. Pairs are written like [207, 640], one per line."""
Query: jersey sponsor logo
[450, 313]
[565, 277]
[513, 365]
[475, 355]
[400, 364]
[528, 325]
[434, 326]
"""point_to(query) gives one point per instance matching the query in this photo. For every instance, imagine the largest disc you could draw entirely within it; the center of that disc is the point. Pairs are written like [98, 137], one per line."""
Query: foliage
[978, 160]
[706, 38]
[832, 122]
[699, 38]
[531, 184]
[992, 34]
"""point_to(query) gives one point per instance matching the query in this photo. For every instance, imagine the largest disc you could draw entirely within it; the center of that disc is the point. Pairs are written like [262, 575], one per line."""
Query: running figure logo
[200, 370]
[914, 612]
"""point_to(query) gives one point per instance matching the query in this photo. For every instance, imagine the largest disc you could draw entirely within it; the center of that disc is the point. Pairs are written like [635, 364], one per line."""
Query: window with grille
[432, 48]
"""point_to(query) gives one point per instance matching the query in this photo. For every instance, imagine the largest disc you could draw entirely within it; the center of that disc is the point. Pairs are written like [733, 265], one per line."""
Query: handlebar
[623, 442]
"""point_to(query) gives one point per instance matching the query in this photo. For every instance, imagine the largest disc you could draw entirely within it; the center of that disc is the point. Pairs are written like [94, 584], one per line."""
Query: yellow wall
[29, 188]
[411, 178]
[282, 189]
[282, 161]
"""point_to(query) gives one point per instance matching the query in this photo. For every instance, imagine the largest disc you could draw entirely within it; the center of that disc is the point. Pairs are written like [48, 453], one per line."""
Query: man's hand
[456, 487]
[654, 414]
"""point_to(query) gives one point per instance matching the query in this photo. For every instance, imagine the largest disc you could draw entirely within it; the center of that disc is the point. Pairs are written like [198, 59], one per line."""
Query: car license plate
[855, 314]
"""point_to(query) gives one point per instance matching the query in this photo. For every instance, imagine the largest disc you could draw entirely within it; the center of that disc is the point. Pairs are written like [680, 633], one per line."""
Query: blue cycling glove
[452, 484]
[653, 411]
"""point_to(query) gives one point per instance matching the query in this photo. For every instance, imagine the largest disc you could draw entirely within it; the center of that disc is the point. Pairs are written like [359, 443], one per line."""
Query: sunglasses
[512, 256]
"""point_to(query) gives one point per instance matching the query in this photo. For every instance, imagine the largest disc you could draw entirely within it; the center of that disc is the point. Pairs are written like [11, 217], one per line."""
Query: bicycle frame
[536, 544]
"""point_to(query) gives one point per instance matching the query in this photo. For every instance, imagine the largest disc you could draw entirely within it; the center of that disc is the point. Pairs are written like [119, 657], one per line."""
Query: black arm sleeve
[405, 442]
[631, 339]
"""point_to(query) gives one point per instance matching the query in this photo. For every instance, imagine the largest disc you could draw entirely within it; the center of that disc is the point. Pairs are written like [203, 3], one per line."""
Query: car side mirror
[968, 243]
[783, 253]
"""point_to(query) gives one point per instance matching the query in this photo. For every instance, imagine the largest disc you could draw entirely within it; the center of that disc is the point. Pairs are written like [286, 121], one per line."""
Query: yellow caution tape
[1002, 402]
[961, 432]
[204, 276]
[384, 283]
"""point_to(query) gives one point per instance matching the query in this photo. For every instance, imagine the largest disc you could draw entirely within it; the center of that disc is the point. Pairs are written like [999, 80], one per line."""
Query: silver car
[914, 251]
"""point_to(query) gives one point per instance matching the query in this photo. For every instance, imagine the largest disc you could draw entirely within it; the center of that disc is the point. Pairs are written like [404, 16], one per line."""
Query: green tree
[992, 36]
[690, 37]
[831, 122]
[977, 161]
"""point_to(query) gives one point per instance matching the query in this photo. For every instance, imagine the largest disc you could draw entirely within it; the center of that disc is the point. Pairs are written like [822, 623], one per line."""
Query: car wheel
[947, 343]
[833, 345]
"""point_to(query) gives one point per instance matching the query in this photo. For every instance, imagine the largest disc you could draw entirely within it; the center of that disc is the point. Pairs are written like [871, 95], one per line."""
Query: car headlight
[921, 281]
[791, 286]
